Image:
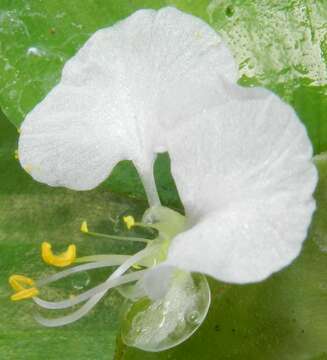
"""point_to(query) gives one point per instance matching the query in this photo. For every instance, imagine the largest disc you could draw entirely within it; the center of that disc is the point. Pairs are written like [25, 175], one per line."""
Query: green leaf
[31, 213]
[38, 37]
[281, 45]
[284, 317]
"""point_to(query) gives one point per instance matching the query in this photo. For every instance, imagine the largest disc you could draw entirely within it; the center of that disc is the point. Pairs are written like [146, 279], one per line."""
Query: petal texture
[120, 94]
[156, 281]
[245, 174]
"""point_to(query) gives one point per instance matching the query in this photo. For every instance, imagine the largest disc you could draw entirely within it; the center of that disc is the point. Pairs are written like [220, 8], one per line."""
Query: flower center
[168, 224]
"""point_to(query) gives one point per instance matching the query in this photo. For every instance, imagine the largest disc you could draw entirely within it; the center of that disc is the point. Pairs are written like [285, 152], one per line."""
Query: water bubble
[34, 52]
[80, 280]
[157, 325]
[193, 317]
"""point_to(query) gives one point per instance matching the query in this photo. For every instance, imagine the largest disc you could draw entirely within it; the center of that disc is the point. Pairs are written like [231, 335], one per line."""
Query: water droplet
[34, 52]
[193, 317]
[161, 324]
[80, 280]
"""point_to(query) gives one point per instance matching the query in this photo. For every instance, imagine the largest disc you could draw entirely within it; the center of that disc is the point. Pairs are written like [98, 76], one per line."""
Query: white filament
[84, 309]
[89, 293]
[93, 258]
[113, 260]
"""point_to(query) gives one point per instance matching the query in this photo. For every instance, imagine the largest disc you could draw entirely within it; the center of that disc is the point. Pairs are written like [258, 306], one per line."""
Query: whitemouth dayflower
[164, 81]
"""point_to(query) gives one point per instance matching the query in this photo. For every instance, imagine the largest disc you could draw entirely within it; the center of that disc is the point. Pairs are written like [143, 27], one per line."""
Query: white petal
[156, 281]
[120, 94]
[245, 174]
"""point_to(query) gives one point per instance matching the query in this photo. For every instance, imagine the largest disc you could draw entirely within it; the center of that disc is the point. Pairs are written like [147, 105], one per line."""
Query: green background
[281, 45]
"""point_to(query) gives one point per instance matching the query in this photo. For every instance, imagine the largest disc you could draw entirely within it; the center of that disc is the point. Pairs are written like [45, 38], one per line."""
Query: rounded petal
[249, 197]
[120, 94]
[60, 144]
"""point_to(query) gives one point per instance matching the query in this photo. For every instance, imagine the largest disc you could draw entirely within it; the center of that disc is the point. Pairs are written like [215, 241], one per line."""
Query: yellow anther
[129, 221]
[25, 294]
[64, 259]
[18, 283]
[84, 228]
[16, 156]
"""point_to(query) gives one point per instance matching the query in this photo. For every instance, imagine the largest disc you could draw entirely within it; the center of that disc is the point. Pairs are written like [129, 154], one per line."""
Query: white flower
[164, 81]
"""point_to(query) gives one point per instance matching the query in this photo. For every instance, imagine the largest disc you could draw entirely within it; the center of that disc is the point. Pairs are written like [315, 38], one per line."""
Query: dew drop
[193, 317]
[34, 52]
[157, 325]
[80, 280]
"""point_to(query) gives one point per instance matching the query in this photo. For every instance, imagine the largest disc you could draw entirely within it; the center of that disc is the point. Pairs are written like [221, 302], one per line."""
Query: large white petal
[245, 174]
[120, 94]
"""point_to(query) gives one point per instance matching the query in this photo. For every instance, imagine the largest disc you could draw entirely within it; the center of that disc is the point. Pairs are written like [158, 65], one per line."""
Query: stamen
[84, 228]
[25, 294]
[65, 320]
[64, 259]
[98, 296]
[64, 304]
[113, 260]
[16, 156]
[17, 282]
[86, 231]
[129, 221]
